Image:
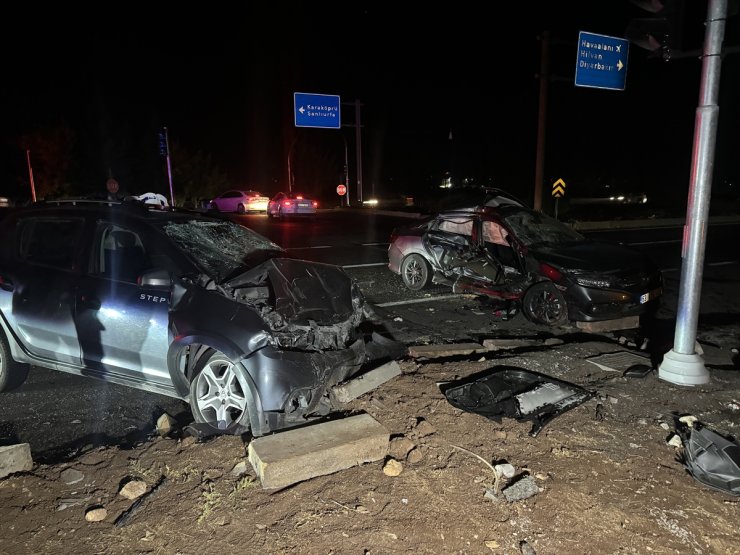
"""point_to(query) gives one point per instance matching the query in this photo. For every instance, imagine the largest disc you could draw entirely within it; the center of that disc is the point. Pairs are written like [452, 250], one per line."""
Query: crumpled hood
[306, 304]
[593, 256]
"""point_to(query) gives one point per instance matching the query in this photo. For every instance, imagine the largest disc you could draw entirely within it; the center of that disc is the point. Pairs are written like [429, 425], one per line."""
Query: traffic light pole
[682, 365]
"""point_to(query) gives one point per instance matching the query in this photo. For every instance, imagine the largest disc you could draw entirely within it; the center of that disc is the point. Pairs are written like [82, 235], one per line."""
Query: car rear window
[50, 242]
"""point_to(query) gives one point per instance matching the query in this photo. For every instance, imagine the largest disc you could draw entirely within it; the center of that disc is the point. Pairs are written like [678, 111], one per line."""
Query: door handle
[90, 302]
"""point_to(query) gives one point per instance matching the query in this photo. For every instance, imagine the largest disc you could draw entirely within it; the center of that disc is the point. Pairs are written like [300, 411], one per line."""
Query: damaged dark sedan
[506, 251]
[181, 304]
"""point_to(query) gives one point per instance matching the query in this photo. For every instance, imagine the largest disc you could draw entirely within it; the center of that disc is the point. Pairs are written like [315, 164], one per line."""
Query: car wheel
[544, 304]
[240, 209]
[219, 394]
[415, 272]
[12, 373]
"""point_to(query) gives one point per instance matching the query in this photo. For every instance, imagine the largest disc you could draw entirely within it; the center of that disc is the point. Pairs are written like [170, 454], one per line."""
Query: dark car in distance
[510, 252]
[178, 303]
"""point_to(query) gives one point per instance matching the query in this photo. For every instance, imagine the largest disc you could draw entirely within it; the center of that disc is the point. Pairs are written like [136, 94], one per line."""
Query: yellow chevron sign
[558, 188]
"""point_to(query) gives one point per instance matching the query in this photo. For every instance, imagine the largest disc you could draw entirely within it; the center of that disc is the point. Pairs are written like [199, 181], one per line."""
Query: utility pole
[544, 76]
[169, 168]
[682, 365]
[358, 135]
[30, 175]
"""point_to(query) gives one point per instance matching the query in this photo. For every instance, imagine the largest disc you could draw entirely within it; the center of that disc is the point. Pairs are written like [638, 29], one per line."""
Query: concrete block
[446, 350]
[295, 455]
[15, 458]
[626, 323]
[360, 385]
[510, 343]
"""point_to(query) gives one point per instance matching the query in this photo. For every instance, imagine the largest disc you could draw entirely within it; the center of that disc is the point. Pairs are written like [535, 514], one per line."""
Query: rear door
[124, 327]
[38, 300]
[449, 241]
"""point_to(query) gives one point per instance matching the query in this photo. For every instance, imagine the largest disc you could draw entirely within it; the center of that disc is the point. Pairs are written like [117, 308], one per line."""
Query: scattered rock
[239, 470]
[165, 424]
[415, 456]
[665, 426]
[398, 319]
[392, 468]
[499, 434]
[688, 420]
[133, 489]
[15, 458]
[399, 447]
[541, 476]
[521, 489]
[492, 544]
[424, 428]
[675, 441]
[505, 470]
[71, 476]
[96, 515]
[188, 441]
[526, 549]
[482, 359]
[551, 341]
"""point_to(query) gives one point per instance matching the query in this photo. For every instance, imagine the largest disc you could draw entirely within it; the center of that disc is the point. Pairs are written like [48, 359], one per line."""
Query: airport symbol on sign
[558, 188]
[602, 61]
[317, 110]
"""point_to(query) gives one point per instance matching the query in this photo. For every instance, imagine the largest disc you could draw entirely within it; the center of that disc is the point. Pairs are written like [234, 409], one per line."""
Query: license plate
[303, 204]
[649, 296]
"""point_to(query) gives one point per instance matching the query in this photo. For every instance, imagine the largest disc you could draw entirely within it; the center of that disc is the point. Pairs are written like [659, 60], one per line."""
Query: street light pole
[346, 169]
[30, 175]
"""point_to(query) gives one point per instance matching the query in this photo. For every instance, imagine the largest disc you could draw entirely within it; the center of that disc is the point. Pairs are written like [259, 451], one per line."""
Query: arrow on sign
[558, 188]
[620, 65]
[301, 109]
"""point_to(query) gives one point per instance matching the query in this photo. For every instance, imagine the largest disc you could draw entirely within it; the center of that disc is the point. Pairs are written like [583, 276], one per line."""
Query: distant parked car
[240, 202]
[4, 202]
[288, 204]
[507, 251]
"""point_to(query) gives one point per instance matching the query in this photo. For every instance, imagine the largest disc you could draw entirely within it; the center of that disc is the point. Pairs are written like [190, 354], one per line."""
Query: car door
[123, 326]
[42, 284]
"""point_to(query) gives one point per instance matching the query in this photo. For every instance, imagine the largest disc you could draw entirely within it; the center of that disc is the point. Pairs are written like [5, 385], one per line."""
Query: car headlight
[598, 283]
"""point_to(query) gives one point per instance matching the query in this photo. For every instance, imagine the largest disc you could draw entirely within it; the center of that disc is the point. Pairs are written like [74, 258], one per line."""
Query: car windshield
[533, 228]
[220, 248]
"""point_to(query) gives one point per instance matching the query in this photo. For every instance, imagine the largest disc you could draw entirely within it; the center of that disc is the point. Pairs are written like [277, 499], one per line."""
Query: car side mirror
[161, 279]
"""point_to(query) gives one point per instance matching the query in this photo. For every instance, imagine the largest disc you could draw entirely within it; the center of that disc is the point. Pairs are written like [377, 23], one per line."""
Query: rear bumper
[395, 257]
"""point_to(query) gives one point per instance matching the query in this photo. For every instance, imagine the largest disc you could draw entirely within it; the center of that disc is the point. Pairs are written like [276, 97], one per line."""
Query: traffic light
[661, 34]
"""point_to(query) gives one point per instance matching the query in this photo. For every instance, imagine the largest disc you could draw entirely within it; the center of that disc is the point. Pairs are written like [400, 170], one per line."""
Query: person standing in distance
[113, 190]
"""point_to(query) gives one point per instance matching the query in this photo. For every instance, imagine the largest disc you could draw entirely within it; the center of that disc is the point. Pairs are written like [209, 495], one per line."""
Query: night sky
[221, 78]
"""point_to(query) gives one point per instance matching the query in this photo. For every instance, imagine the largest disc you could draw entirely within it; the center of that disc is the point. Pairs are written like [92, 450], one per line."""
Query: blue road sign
[602, 61]
[317, 110]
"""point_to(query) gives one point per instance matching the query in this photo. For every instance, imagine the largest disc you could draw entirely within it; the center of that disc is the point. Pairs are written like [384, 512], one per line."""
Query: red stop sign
[341, 190]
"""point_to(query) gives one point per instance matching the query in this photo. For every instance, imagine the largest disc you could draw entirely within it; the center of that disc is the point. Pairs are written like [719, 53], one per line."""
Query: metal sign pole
[169, 167]
[30, 175]
[682, 365]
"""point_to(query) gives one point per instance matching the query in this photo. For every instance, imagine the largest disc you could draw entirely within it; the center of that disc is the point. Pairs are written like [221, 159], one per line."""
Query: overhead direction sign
[317, 110]
[601, 62]
[558, 188]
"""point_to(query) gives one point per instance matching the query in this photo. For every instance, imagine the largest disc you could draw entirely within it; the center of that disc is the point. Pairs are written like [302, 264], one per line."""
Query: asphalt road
[59, 414]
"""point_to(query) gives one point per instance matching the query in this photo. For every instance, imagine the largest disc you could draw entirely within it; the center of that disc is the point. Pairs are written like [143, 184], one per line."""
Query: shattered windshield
[220, 248]
[533, 228]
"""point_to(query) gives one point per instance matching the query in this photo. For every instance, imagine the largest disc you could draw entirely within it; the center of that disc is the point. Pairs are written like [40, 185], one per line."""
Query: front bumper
[587, 304]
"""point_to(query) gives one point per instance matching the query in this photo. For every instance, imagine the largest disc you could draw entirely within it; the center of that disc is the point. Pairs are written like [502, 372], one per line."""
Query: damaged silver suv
[178, 303]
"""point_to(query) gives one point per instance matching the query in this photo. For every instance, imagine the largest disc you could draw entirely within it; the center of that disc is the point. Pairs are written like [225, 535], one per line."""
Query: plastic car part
[516, 393]
[415, 272]
[12, 373]
[544, 304]
[710, 458]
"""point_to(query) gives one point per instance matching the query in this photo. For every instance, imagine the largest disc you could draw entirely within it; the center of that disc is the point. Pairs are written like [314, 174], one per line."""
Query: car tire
[219, 394]
[240, 209]
[12, 373]
[544, 304]
[415, 272]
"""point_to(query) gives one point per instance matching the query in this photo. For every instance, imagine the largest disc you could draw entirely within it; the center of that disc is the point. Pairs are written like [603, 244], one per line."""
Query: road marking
[373, 244]
[657, 242]
[726, 263]
[428, 299]
[366, 265]
[303, 248]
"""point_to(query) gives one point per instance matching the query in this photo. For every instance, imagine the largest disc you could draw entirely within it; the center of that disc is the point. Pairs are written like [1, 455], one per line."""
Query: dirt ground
[607, 481]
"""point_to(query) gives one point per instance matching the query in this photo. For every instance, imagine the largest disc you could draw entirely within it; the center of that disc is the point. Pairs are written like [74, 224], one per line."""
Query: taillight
[315, 204]
[550, 272]
[287, 203]
[299, 197]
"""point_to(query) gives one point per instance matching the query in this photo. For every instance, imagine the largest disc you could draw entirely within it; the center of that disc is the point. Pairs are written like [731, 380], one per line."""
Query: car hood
[593, 256]
[307, 305]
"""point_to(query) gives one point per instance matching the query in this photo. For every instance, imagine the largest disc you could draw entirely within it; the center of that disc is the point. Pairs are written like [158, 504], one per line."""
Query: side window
[459, 227]
[231, 194]
[50, 242]
[119, 253]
